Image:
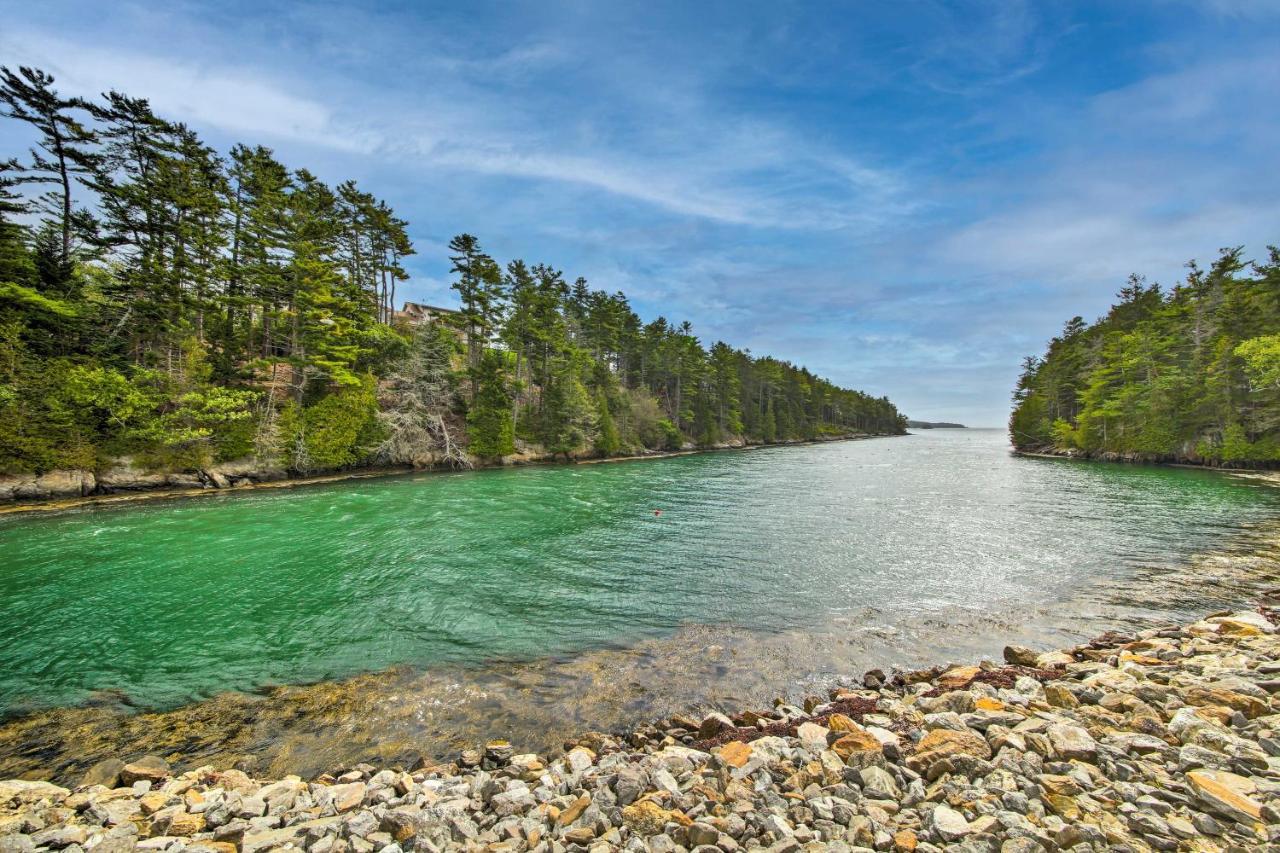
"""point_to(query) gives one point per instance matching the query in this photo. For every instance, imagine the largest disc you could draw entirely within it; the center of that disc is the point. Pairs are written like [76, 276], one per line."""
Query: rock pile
[1165, 740]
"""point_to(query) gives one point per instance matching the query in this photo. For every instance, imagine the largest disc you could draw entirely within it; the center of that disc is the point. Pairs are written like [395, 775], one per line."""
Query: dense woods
[167, 303]
[1189, 374]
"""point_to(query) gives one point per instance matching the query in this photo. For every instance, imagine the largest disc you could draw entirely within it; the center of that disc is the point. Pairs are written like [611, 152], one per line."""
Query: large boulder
[123, 475]
[52, 484]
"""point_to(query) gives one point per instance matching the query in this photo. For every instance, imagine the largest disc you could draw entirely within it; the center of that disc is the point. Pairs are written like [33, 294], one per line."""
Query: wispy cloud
[908, 197]
[238, 101]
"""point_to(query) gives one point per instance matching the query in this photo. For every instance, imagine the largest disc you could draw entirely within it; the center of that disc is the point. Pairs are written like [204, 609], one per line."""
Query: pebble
[1164, 740]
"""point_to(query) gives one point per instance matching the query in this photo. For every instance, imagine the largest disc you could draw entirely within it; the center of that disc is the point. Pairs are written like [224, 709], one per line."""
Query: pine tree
[488, 419]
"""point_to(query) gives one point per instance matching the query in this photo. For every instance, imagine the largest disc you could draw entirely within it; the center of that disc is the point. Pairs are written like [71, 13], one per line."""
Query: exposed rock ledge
[124, 478]
[1164, 740]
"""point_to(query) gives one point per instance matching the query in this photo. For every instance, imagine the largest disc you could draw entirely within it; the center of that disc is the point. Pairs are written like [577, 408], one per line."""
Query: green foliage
[671, 437]
[340, 430]
[180, 306]
[1236, 446]
[489, 425]
[607, 441]
[1064, 435]
[1261, 357]
[570, 418]
[1192, 373]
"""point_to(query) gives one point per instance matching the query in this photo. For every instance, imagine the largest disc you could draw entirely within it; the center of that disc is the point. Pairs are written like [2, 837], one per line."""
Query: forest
[168, 304]
[1191, 374]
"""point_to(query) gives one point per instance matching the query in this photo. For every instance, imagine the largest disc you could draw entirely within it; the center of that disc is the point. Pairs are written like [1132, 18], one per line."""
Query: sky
[906, 197]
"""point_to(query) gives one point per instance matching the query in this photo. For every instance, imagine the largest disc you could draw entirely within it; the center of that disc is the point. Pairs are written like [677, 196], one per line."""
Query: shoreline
[165, 492]
[1174, 462]
[1142, 741]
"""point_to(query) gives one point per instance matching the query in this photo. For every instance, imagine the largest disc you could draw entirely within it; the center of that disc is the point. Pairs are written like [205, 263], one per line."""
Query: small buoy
[657, 512]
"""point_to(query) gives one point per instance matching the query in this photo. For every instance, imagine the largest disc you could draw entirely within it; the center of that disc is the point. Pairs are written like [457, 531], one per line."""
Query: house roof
[412, 307]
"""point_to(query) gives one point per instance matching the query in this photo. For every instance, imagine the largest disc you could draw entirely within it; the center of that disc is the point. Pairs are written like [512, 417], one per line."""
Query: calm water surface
[511, 590]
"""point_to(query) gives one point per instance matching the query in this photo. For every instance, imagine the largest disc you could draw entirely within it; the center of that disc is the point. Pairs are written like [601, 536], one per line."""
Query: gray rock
[949, 823]
[16, 843]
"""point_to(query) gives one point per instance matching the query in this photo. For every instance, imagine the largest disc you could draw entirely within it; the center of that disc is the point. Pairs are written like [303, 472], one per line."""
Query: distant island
[933, 425]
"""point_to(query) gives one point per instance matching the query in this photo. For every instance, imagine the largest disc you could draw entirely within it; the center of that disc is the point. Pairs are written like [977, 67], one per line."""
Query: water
[517, 593]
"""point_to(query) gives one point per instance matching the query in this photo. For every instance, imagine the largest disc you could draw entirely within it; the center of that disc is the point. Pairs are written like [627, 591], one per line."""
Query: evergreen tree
[489, 419]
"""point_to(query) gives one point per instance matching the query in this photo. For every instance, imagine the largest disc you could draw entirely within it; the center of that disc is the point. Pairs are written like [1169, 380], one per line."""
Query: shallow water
[437, 609]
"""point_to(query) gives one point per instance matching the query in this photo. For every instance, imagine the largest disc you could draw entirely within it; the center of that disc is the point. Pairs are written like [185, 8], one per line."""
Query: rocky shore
[126, 481]
[1137, 458]
[1168, 739]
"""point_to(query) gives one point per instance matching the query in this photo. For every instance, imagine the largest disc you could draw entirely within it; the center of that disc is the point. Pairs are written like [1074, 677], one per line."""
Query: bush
[341, 429]
[671, 437]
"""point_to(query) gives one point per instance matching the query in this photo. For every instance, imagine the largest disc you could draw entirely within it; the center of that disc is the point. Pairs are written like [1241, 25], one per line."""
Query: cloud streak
[908, 198]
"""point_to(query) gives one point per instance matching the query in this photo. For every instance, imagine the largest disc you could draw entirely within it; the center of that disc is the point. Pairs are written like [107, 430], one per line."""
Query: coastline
[1158, 739]
[165, 492]
[1145, 459]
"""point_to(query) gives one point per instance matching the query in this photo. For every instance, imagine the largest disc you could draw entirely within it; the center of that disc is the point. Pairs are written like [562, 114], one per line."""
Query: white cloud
[237, 102]
[680, 152]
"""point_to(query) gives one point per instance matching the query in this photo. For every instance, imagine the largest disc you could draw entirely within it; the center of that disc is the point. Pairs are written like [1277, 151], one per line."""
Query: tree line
[1188, 374]
[162, 301]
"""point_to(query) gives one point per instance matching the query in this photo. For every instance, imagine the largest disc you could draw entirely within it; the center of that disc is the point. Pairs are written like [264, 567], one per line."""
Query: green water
[169, 602]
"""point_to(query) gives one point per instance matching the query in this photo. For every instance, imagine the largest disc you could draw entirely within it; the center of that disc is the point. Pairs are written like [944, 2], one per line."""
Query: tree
[161, 300]
[607, 440]
[489, 420]
[416, 403]
[479, 287]
[64, 149]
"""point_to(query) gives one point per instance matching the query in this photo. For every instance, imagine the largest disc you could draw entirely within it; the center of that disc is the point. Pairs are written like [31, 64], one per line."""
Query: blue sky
[906, 197]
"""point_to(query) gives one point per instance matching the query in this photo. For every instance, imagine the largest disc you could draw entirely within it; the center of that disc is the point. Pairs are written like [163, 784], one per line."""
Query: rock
[878, 783]
[1059, 696]
[125, 476]
[256, 842]
[858, 748]
[1250, 706]
[735, 753]
[579, 758]
[904, 840]
[1072, 742]
[573, 812]
[841, 723]
[812, 733]
[702, 833]
[58, 837]
[106, 772]
[1020, 656]
[498, 752]
[581, 835]
[941, 744]
[629, 785]
[148, 768]
[1225, 794]
[957, 677]
[1051, 660]
[713, 724]
[514, 801]
[648, 818]
[185, 824]
[16, 842]
[347, 797]
[949, 823]
[153, 802]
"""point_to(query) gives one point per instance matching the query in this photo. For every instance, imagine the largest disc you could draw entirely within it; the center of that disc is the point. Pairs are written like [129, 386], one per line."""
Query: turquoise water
[169, 602]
